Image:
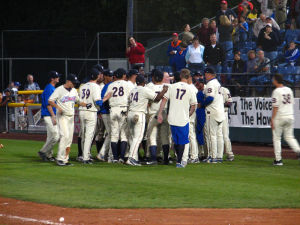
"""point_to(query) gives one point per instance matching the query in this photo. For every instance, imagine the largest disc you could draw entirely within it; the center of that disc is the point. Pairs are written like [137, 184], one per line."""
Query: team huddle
[123, 114]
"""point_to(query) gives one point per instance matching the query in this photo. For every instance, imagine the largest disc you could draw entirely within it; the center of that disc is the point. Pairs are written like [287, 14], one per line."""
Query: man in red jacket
[135, 54]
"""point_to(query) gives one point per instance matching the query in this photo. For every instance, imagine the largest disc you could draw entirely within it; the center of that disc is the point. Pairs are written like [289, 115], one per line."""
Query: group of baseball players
[123, 114]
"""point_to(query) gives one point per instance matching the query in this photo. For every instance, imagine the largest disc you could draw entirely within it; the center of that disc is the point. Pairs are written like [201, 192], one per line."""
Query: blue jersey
[49, 89]
[200, 114]
[105, 107]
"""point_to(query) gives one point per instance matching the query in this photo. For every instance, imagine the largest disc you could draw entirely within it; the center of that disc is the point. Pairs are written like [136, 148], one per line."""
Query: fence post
[98, 48]
[66, 68]
[10, 70]
[6, 119]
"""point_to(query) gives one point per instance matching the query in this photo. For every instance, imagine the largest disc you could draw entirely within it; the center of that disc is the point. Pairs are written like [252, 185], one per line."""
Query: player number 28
[118, 91]
[178, 95]
[86, 93]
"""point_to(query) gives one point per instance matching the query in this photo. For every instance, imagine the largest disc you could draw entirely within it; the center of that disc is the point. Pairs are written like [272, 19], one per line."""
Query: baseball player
[63, 99]
[139, 98]
[227, 103]
[108, 74]
[282, 121]
[90, 94]
[49, 115]
[118, 104]
[215, 116]
[154, 127]
[132, 74]
[182, 105]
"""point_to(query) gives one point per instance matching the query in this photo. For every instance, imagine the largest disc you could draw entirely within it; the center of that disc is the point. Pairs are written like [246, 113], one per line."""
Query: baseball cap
[108, 73]
[133, 72]
[119, 73]
[140, 79]
[72, 77]
[99, 67]
[224, 2]
[175, 34]
[17, 84]
[53, 74]
[268, 25]
[209, 70]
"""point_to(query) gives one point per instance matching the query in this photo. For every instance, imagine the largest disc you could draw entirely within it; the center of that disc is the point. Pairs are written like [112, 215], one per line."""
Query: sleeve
[169, 50]
[37, 87]
[45, 96]
[187, 56]
[150, 94]
[97, 94]
[128, 53]
[54, 96]
[140, 49]
[209, 91]
[275, 99]
[228, 96]
[246, 26]
[167, 94]
[275, 24]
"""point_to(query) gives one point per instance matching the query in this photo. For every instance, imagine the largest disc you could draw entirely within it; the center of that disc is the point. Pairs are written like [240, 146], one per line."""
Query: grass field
[250, 182]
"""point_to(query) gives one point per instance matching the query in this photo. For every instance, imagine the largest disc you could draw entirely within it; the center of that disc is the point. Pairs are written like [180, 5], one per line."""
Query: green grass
[248, 182]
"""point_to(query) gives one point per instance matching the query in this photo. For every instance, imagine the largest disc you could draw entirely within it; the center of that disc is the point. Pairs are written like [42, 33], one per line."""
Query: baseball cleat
[115, 161]
[101, 157]
[151, 163]
[219, 160]
[230, 158]
[207, 160]
[214, 161]
[79, 158]
[178, 165]
[43, 156]
[109, 160]
[195, 161]
[60, 163]
[133, 162]
[278, 163]
[51, 159]
[121, 161]
[87, 162]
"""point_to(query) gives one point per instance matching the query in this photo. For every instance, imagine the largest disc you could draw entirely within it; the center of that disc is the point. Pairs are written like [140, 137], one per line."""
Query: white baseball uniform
[192, 147]
[139, 99]
[283, 99]
[227, 143]
[215, 117]
[118, 109]
[89, 93]
[100, 128]
[65, 99]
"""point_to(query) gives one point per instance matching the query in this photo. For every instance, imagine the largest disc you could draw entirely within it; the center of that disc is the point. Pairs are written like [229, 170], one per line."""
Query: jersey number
[178, 95]
[86, 93]
[286, 99]
[134, 97]
[118, 91]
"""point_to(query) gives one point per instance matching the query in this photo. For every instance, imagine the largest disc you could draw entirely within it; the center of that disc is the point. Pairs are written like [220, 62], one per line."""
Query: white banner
[256, 112]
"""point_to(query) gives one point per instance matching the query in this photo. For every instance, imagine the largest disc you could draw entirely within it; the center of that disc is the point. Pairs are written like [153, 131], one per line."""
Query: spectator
[135, 54]
[244, 5]
[252, 16]
[280, 13]
[235, 32]
[213, 29]
[251, 63]
[16, 87]
[238, 65]
[179, 58]
[214, 54]
[292, 54]
[224, 12]
[187, 35]
[194, 56]
[267, 7]
[7, 98]
[32, 86]
[262, 22]
[173, 48]
[243, 32]
[268, 42]
[204, 32]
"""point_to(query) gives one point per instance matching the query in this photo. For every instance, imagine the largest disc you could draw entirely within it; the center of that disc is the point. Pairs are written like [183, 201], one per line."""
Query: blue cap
[108, 73]
[72, 77]
[17, 84]
[140, 79]
[209, 70]
[53, 74]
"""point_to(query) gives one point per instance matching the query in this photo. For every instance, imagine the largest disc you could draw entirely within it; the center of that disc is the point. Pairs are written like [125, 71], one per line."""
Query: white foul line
[32, 220]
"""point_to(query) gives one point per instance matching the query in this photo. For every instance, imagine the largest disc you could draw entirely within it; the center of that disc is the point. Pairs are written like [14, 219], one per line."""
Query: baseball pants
[136, 124]
[106, 147]
[215, 137]
[284, 126]
[227, 142]
[156, 130]
[52, 137]
[88, 123]
[191, 148]
[66, 130]
[118, 121]
[100, 128]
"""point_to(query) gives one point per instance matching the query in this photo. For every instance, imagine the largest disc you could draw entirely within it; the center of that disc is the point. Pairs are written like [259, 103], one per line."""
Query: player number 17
[178, 95]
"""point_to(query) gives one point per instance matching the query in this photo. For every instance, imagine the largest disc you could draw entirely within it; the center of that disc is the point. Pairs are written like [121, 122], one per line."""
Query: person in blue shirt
[49, 115]
[104, 111]
[243, 32]
[173, 48]
[179, 58]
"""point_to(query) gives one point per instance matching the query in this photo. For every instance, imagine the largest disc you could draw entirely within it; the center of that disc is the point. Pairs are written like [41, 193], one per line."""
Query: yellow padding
[30, 92]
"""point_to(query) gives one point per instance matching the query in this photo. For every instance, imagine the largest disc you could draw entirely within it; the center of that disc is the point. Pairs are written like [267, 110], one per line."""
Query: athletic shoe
[133, 162]
[79, 159]
[194, 161]
[178, 165]
[207, 160]
[43, 156]
[214, 161]
[87, 162]
[151, 163]
[230, 158]
[115, 161]
[278, 163]
[60, 163]
[101, 157]
[51, 159]
[219, 160]
[183, 163]
[121, 161]
[91, 159]
[171, 160]
[109, 160]
[69, 164]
